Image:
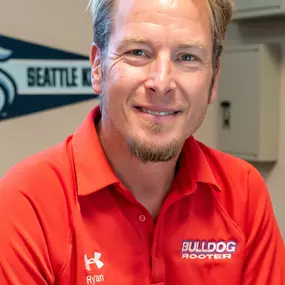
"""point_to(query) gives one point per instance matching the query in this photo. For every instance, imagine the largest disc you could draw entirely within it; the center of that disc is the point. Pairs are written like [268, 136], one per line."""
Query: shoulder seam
[230, 219]
[71, 229]
[69, 242]
[247, 187]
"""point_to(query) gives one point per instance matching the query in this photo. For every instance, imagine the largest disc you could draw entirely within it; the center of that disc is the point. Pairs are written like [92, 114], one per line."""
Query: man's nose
[161, 78]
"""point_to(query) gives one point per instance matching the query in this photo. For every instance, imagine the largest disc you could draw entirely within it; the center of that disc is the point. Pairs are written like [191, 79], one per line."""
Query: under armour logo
[94, 260]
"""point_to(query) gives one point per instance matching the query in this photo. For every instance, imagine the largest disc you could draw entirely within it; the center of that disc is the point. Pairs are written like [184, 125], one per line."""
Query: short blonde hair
[221, 16]
[220, 12]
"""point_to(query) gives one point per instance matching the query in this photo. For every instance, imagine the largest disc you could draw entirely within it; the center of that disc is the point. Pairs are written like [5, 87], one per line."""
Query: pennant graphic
[35, 78]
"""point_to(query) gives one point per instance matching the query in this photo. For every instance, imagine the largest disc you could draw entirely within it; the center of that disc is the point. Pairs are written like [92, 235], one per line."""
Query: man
[132, 197]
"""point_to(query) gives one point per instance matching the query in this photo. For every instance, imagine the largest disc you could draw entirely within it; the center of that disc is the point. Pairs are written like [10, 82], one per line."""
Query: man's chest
[119, 244]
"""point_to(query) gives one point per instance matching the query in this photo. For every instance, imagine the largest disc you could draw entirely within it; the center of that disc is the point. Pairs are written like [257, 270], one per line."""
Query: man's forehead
[137, 22]
[184, 7]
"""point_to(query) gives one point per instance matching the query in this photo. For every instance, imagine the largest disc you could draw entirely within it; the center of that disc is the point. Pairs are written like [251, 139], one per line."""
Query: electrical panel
[248, 94]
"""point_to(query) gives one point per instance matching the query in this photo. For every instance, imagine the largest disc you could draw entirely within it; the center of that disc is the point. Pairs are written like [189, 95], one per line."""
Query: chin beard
[154, 153]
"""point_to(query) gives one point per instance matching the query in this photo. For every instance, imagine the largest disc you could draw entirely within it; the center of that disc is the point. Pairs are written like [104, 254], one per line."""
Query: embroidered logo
[94, 260]
[197, 249]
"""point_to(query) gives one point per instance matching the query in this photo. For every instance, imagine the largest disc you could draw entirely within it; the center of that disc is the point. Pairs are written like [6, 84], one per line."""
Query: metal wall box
[245, 9]
[248, 93]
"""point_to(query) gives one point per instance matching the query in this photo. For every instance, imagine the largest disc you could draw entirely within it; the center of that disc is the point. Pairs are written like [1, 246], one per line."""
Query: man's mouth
[156, 113]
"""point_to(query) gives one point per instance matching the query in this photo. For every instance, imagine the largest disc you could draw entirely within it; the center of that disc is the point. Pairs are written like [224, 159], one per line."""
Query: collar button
[142, 218]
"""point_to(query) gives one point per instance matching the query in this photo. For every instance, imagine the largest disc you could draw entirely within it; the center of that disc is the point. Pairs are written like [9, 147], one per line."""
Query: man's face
[157, 74]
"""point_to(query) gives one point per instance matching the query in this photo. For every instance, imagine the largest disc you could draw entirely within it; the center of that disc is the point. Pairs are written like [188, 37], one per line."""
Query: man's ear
[216, 76]
[96, 69]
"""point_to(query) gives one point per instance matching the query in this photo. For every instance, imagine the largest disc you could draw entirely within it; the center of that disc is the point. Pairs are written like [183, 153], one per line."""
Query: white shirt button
[142, 218]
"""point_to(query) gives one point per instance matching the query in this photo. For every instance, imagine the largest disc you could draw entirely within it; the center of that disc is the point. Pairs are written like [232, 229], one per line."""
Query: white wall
[24, 136]
[260, 31]
[60, 24]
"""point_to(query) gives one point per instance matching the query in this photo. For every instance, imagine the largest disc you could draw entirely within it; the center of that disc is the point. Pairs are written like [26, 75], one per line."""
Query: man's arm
[265, 254]
[24, 256]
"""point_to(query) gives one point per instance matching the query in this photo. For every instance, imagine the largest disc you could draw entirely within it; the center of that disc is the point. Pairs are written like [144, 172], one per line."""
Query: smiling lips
[156, 112]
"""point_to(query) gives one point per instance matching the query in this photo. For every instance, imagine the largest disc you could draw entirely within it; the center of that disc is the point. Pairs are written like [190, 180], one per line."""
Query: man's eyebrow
[193, 45]
[133, 39]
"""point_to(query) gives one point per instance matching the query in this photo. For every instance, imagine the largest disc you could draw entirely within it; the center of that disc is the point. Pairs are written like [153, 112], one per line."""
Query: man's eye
[136, 52]
[187, 57]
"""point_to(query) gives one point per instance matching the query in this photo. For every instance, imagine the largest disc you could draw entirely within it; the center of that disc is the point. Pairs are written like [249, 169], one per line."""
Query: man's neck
[149, 182]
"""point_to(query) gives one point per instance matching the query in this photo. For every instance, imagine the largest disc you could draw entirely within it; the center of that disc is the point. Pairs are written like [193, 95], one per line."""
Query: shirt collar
[93, 171]
[194, 166]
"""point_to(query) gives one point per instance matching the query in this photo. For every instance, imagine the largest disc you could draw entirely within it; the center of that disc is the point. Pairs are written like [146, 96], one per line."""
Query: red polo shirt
[66, 219]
